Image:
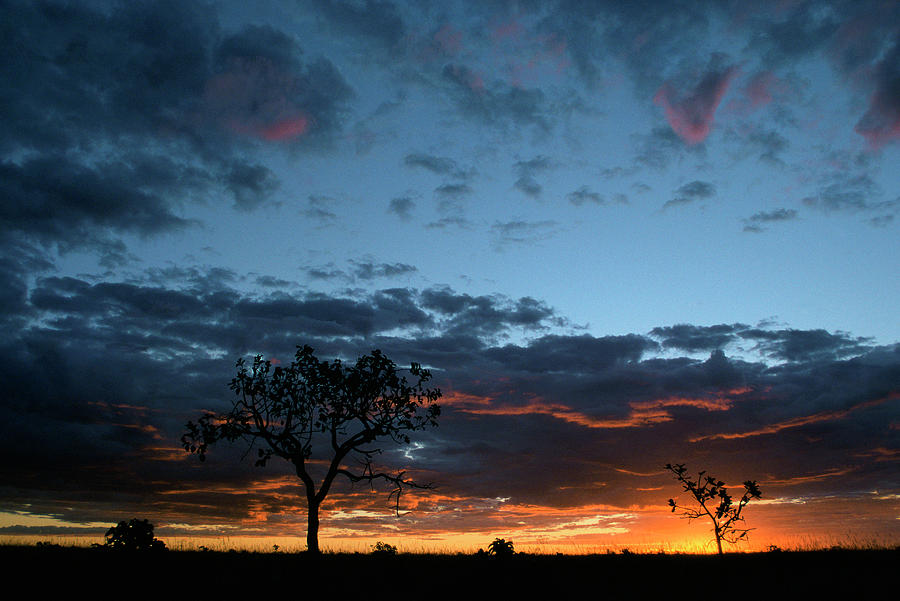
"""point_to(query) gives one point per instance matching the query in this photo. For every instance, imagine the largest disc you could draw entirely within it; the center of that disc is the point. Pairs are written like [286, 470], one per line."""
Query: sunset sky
[620, 234]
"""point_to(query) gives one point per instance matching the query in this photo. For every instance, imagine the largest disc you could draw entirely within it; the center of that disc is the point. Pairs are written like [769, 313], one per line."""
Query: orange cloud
[643, 413]
[806, 479]
[823, 416]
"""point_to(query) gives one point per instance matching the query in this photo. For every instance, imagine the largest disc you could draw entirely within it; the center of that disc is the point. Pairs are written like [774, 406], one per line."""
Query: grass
[852, 573]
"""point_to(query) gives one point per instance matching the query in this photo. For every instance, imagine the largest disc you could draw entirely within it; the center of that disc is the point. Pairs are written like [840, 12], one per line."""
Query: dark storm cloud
[881, 122]
[807, 345]
[373, 19]
[691, 191]
[179, 99]
[802, 30]
[755, 222]
[59, 201]
[484, 315]
[75, 75]
[693, 338]
[99, 387]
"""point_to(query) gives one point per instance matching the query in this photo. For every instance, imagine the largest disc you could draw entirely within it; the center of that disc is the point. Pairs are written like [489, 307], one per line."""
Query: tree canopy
[314, 410]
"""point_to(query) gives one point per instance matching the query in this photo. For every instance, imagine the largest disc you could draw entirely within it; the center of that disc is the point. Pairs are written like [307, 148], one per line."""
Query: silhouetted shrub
[501, 548]
[383, 549]
[134, 535]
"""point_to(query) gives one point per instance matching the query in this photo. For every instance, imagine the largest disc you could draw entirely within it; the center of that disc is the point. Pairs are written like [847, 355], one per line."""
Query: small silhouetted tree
[133, 535]
[715, 503]
[383, 549]
[343, 409]
[500, 547]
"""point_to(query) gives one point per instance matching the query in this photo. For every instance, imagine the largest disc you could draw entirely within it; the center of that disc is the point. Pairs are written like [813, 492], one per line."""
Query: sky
[619, 234]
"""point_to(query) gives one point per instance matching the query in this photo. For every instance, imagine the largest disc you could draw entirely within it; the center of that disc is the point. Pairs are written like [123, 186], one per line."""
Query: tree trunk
[719, 541]
[312, 527]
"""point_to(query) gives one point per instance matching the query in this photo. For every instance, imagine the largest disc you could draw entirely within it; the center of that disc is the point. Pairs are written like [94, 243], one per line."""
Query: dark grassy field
[847, 574]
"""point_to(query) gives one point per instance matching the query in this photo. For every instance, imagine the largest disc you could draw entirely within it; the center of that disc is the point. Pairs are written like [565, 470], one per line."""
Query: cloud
[688, 193]
[262, 89]
[59, 201]
[184, 106]
[585, 195]
[658, 148]
[755, 222]
[499, 106]
[366, 270]
[850, 192]
[449, 196]
[402, 206]
[439, 165]
[691, 114]
[446, 222]
[807, 345]
[100, 374]
[880, 124]
[527, 170]
[522, 232]
[250, 184]
[376, 20]
[770, 143]
[318, 208]
[693, 338]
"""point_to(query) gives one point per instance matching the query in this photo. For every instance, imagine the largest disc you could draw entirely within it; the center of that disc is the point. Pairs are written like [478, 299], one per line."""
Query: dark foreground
[849, 574]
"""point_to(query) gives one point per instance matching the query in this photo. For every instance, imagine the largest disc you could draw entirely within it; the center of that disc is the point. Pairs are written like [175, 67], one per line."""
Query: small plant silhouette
[134, 535]
[501, 548]
[707, 491]
[383, 549]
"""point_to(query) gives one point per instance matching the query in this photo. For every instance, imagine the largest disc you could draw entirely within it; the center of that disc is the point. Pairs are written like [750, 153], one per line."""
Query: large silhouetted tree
[714, 503]
[340, 409]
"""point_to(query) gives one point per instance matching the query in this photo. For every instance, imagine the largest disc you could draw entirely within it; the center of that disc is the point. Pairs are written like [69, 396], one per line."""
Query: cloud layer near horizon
[475, 188]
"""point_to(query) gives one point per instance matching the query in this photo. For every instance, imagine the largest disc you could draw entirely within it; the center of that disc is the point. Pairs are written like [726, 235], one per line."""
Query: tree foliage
[134, 535]
[313, 410]
[714, 503]
[383, 549]
[501, 547]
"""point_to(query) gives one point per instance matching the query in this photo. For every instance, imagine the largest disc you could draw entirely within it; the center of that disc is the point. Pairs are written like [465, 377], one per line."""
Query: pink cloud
[255, 98]
[759, 89]
[286, 129]
[881, 123]
[691, 116]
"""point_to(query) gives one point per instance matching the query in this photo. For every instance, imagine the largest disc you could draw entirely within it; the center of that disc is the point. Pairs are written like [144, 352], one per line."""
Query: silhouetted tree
[134, 535]
[339, 407]
[500, 547]
[383, 549]
[715, 503]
